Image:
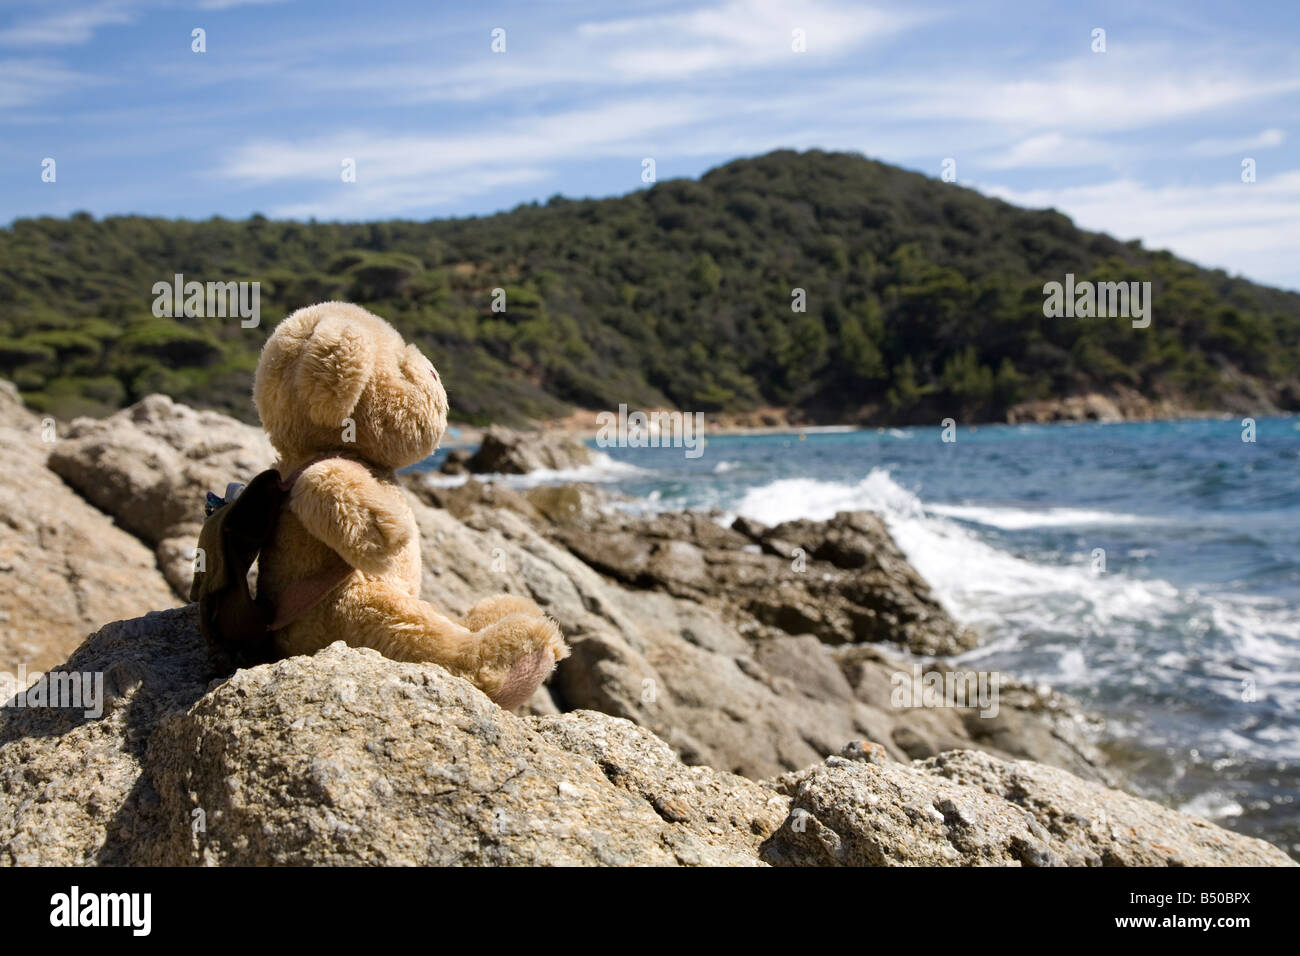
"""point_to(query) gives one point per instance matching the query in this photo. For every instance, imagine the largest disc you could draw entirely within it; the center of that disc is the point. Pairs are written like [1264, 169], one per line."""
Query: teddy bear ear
[335, 364]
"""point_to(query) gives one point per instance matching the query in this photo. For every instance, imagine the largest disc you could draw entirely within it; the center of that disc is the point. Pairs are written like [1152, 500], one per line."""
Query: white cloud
[597, 131]
[1104, 93]
[230, 4]
[1252, 229]
[402, 174]
[371, 197]
[25, 82]
[1056, 149]
[70, 27]
[736, 35]
[1238, 147]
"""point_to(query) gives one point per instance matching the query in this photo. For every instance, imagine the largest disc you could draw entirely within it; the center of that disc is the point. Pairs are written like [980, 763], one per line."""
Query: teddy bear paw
[523, 679]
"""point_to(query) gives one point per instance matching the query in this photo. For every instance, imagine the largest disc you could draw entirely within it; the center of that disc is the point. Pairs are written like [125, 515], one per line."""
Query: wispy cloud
[1249, 228]
[1267, 139]
[404, 173]
[737, 38]
[735, 35]
[27, 82]
[71, 26]
[231, 4]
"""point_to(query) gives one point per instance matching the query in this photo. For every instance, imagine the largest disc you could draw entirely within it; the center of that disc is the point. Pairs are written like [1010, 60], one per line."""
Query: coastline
[1084, 411]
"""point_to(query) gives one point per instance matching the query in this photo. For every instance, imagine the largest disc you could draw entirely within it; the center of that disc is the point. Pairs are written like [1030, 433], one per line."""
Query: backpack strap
[303, 595]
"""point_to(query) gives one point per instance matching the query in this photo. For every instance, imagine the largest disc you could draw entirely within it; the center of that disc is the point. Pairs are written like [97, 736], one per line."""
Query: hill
[923, 300]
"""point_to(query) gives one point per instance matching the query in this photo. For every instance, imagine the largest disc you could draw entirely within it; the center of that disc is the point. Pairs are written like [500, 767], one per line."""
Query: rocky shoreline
[728, 700]
[1123, 405]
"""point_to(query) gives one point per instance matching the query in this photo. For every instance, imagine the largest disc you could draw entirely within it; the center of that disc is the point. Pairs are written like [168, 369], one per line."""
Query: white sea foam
[976, 580]
[1213, 805]
[1017, 519]
[1087, 620]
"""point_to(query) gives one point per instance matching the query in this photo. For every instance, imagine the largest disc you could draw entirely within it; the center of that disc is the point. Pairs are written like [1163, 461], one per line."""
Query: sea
[1151, 570]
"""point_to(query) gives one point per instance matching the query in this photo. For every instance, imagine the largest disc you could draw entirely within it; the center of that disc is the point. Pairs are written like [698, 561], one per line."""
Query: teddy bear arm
[343, 505]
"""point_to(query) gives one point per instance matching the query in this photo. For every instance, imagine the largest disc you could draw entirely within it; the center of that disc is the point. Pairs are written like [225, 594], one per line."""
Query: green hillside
[924, 300]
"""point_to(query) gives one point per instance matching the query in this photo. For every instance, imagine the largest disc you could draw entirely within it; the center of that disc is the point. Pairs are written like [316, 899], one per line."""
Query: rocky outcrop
[150, 466]
[1077, 408]
[843, 581]
[684, 632]
[964, 808]
[507, 452]
[65, 568]
[344, 758]
[349, 758]
[1242, 395]
[692, 664]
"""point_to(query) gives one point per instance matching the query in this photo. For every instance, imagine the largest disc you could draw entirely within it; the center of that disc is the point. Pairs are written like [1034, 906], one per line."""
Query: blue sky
[1144, 140]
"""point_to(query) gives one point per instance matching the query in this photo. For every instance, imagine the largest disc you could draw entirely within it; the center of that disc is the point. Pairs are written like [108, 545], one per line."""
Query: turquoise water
[1150, 569]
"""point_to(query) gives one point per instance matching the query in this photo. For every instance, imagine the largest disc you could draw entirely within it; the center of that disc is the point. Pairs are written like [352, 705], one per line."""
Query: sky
[1145, 139]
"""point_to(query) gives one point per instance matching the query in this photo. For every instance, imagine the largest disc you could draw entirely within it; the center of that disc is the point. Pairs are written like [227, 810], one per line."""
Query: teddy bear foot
[524, 678]
[517, 653]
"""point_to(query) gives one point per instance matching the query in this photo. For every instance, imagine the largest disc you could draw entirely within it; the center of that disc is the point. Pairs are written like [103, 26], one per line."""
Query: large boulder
[507, 452]
[348, 758]
[150, 466]
[843, 580]
[65, 568]
[965, 808]
[344, 758]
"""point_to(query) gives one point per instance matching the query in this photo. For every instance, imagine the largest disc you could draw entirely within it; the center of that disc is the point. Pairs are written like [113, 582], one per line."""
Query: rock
[843, 580]
[65, 568]
[507, 452]
[348, 758]
[71, 788]
[345, 758]
[464, 498]
[574, 504]
[1031, 722]
[150, 467]
[965, 808]
[697, 670]
[1075, 408]
[456, 462]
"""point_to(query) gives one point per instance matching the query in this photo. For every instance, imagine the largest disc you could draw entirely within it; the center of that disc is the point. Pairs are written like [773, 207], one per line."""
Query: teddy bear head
[335, 378]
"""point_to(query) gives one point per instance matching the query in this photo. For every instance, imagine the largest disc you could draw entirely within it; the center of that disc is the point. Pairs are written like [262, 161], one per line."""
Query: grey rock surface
[150, 466]
[966, 808]
[504, 451]
[65, 567]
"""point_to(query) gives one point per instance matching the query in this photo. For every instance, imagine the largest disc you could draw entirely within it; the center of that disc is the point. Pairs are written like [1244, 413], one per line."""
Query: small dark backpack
[238, 627]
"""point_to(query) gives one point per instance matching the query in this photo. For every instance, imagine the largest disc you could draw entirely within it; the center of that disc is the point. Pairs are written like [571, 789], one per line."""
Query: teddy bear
[346, 402]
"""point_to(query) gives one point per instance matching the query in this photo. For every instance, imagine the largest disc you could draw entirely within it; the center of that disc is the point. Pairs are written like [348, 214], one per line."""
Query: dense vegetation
[923, 299]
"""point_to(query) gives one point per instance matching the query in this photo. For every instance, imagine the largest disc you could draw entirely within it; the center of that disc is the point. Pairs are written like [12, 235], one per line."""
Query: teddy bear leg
[492, 609]
[507, 660]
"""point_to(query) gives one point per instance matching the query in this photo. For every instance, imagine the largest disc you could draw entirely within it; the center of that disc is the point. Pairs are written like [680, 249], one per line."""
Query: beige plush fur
[335, 380]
